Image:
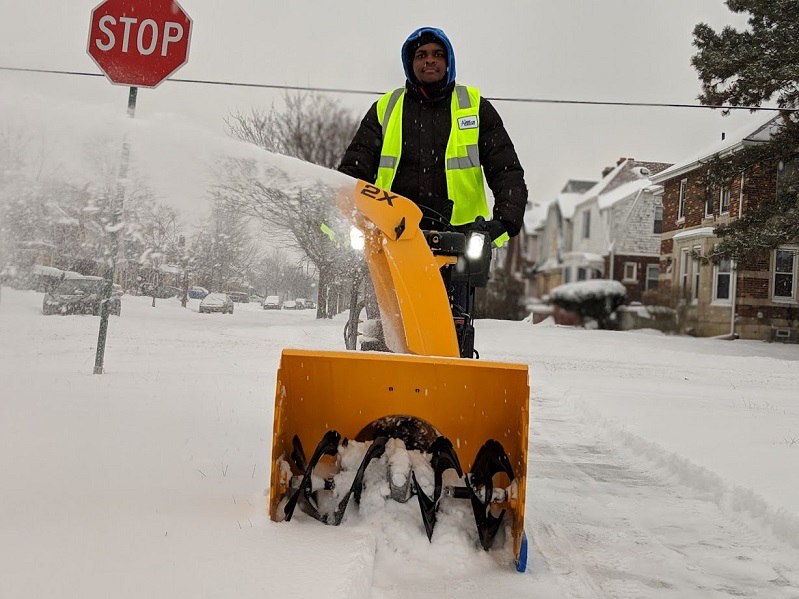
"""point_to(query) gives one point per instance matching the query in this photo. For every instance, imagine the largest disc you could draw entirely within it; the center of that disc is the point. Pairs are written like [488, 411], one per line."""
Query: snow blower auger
[413, 409]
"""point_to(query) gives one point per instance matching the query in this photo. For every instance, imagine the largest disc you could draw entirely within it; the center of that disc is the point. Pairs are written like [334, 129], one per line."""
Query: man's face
[430, 63]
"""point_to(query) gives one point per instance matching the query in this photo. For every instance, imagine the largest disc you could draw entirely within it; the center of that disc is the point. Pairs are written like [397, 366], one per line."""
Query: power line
[339, 90]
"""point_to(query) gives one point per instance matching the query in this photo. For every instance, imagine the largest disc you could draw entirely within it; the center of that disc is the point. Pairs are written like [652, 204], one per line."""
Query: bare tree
[161, 234]
[313, 128]
[307, 216]
[269, 272]
[223, 251]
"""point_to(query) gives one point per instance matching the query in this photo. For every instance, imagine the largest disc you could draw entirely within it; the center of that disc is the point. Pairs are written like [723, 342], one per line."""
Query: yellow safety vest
[464, 174]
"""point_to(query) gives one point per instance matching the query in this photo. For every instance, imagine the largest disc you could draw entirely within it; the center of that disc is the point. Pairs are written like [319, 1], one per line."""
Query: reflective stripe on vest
[465, 185]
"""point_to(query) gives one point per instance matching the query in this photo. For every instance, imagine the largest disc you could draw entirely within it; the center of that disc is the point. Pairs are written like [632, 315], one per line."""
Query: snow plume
[175, 156]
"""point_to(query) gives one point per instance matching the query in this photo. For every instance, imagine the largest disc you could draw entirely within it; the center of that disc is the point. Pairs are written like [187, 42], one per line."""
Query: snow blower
[422, 396]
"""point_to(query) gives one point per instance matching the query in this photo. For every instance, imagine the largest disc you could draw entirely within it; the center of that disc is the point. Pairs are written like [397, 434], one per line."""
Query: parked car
[197, 293]
[216, 302]
[289, 305]
[272, 302]
[300, 301]
[310, 304]
[45, 278]
[81, 295]
[239, 297]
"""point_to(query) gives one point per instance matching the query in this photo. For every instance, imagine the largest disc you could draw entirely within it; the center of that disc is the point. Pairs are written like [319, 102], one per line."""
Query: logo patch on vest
[467, 122]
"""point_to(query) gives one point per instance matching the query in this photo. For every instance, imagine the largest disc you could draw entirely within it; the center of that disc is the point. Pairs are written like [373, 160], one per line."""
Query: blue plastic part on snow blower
[521, 564]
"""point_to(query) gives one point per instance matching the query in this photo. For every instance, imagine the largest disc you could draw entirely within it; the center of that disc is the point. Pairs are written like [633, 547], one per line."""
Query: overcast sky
[602, 50]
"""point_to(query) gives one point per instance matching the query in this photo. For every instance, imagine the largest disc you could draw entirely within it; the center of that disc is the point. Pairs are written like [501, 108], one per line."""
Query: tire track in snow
[607, 527]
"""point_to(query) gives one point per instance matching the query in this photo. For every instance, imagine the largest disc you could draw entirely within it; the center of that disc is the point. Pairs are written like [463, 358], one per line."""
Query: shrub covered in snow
[590, 300]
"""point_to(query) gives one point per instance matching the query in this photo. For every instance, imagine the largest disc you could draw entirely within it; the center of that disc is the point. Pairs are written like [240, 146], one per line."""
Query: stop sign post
[136, 43]
[139, 43]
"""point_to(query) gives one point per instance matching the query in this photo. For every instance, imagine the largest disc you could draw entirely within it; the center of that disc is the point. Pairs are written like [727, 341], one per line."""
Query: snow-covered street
[658, 466]
[608, 524]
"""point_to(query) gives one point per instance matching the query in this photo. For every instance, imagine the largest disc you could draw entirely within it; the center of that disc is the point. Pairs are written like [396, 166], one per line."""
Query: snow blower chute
[467, 418]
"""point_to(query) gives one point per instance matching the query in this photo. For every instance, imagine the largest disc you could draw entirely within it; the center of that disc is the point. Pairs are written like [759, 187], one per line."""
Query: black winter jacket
[421, 176]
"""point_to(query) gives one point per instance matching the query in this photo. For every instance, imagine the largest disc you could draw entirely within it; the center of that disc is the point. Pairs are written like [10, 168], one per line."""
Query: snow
[47, 271]
[170, 269]
[567, 202]
[658, 466]
[150, 480]
[692, 233]
[756, 129]
[622, 192]
[579, 290]
[177, 157]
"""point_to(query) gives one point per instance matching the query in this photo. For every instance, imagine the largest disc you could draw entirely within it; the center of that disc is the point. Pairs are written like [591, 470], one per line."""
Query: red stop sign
[139, 42]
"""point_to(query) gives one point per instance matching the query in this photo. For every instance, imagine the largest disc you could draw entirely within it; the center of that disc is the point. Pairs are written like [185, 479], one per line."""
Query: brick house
[617, 229]
[761, 302]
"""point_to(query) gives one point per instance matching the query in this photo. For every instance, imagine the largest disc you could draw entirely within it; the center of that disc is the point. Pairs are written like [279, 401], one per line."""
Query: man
[432, 140]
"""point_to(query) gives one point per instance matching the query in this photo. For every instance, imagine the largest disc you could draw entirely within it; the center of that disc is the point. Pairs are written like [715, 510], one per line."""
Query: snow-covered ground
[658, 467]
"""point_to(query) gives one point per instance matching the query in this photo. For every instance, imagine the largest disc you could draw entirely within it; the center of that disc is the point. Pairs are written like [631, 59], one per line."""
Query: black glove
[495, 228]
[492, 228]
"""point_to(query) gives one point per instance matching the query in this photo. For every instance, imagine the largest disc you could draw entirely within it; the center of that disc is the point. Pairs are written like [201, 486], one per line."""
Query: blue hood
[413, 37]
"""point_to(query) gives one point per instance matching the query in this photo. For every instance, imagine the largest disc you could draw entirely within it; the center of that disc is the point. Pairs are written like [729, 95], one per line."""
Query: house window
[652, 272]
[582, 274]
[724, 200]
[785, 274]
[709, 205]
[695, 294]
[567, 275]
[722, 281]
[658, 228]
[586, 224]
[683, 194]
[630, 271]
[684, 271]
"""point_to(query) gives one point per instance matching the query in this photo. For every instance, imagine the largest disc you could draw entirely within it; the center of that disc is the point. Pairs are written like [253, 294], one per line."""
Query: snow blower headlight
[474, 247]
[356, 239]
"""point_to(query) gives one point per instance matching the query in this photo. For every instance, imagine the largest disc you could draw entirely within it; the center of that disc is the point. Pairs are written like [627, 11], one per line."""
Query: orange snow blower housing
[475, 408]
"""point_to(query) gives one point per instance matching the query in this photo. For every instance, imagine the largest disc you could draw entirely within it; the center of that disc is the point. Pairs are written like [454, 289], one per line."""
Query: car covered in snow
[216, 302]
[272, 302]
[197, 293]
[81, 295]
[239, 297]
[290, 305]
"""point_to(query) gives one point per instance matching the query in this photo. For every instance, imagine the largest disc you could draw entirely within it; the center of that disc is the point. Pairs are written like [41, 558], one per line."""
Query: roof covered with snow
[535, 216]
[759, 129]
[170, 269]
[572, 194]
[606, 200]
[628, 177]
